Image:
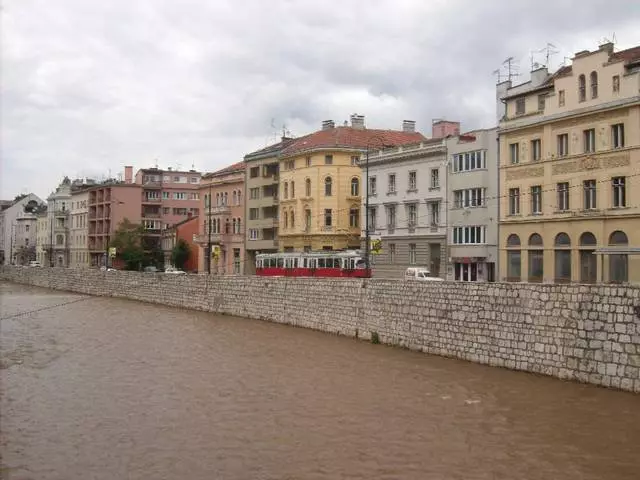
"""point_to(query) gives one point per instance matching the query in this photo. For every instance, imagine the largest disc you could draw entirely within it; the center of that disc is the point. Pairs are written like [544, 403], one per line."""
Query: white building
[78, 229]
[53, 240]
[472, 200]
[407, 191]
[8, 225]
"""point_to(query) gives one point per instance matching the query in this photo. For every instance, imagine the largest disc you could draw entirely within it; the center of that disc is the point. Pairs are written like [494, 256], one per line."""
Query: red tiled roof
[275, 148]
[236, 167]
[349, 137]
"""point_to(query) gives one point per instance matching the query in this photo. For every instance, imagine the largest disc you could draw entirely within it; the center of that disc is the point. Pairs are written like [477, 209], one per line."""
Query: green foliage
[128, 243]
[375, 338]
[180, 254]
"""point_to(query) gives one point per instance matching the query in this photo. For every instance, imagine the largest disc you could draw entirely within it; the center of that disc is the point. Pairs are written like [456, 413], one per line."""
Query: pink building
[225, 214]
[444, 128]
[108, 205]
[167, 197]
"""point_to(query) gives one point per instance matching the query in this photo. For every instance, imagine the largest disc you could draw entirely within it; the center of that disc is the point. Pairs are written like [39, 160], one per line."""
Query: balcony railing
[151, 200]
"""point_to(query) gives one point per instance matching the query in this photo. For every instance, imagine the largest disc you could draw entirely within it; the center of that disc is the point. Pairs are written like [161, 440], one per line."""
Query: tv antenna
[549, 51]
[497, 73]
[512, 68]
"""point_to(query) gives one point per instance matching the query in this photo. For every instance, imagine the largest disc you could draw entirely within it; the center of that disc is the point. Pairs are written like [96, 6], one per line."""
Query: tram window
[336, 263]
[280, 262]
[304, 263]
[294, 263]
[320, 263]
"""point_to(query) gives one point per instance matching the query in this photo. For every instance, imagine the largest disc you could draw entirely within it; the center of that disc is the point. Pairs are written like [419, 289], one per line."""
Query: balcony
[150, 200]
[151, 185]
[151, 215]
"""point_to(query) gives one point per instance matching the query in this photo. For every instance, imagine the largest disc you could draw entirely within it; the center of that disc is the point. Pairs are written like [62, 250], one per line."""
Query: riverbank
[583, 333]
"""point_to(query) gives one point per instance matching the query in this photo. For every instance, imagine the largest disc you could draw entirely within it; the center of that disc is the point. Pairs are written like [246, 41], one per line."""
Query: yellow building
[569, 166]
[320, 189]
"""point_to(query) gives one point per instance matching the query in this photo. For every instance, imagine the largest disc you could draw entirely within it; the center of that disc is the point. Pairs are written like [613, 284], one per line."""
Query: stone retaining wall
[578, 332]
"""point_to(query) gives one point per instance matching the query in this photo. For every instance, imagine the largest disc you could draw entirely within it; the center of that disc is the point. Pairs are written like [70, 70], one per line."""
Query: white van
[420, 275]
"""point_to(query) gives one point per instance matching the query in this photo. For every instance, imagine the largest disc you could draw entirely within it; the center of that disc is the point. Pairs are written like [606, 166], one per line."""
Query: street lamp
[367, 234]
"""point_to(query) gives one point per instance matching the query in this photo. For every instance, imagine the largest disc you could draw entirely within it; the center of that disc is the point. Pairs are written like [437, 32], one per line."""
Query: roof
[272, 149]
[349, 137]
[182, 222]
[628, 55]
[236, 167]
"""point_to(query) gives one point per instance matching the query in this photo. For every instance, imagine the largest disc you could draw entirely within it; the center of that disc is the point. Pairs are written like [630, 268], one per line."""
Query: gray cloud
[92, 86]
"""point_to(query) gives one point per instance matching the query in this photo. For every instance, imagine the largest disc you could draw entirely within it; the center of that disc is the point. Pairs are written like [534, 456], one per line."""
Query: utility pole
[209, 233]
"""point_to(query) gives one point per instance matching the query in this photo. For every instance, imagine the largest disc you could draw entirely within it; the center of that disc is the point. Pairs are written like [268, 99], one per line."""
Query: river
[101, 388]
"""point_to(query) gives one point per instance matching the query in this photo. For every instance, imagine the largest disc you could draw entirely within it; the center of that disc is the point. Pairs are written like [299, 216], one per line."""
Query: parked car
[420, 275]
[35, 263]
[174, 271]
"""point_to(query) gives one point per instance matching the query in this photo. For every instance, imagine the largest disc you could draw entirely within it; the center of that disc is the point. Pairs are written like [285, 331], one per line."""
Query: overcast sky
[91, 86]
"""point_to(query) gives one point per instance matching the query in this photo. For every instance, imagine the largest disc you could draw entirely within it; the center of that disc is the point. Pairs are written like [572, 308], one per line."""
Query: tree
[24, 255]
[128, 243]
[180, 254]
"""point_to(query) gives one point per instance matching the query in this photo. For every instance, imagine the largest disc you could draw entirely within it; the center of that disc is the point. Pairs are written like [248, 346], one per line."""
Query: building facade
[187, 231]
[9, 213]
[262, 201]
[53, 237]
[472, 204]
[321, 185]
[569, 164]
[222, 221]
[407, 195]
[79, 227]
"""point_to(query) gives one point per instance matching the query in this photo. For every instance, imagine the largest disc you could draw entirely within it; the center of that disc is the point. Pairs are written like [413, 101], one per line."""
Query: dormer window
[594, 84]
[520, 106]
[582, 88]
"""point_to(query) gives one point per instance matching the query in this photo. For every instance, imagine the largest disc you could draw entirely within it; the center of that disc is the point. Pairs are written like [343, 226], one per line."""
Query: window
[520, 106]
[328, 219]
[292, 215]
[464, 162]
[561, 98]
[582, 89]
[589, 140]
[290, 165]
[391, 217]
[616, 84]
[354, 217]
[179, 196]
[235, 197]
[412, 253]
[391, 186]
[372, 186]
[355, 160]
[307, 220]
[514, 259]
[589, 187]
[254, 172]
[563, 196]
[328, 185]
[165, 196]
[541, 102]
[617, 135]
[536, 149]
[286, 219]
[619, 192]
[434, 214]
[471, 197]
[26, 228]
[594, 84]
[355, 187]
[470, 235]
[307, 187]
[293, 189]
[514, 153]
[618, 263]
[588, 261]
[328, 159]
[536, 199]
[412, 214]
[563, 144]
[392, 253]
[435, 178]
[286, 190]
[307, 161]
[254, 214]
[562, 258]
[413, 184]
[514, 201]
[254, 193]
[536, 258]
[373, 214]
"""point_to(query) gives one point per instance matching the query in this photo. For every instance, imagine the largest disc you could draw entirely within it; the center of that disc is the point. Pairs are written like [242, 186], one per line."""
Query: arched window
[618, 262]
[238, 225]
[226, 198]
[582, 89]
[307, 187]
[293, 219]
[218, 228]
[59, 239]
[594, 84]
[235, 199]
[328, 186]
[307, 219]
[562, 258]
[217, 199]
[286, 218]
[355, 187]
[514, 259]
[234, 223]
[239, 197]
[536, 258]
[588, 260]
[293, 189]
[286, 190]
[226, 226]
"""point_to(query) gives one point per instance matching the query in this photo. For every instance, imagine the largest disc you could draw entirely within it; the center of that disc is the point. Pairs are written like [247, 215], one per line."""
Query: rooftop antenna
[512, 68]
[549, 51]
[498, 75]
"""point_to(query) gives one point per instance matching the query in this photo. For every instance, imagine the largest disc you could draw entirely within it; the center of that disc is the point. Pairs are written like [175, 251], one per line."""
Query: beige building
[79, 229]
[569, 166]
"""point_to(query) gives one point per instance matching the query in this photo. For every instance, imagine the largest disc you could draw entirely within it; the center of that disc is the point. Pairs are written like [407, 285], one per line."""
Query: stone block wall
[578, 332]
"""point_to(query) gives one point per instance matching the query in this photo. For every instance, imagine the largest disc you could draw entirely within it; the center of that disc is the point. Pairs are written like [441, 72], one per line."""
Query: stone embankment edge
[584, 333]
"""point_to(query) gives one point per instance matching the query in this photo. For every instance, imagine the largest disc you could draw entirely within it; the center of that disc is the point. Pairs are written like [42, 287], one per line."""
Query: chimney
[128, 174]
[357, 121]
[539, 76]
[444, 128]
[606, 47]
[502, 89]
[408, 126]
[328, 124]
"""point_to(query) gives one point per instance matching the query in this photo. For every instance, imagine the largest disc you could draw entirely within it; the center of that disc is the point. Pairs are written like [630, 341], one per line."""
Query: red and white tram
[313, 264]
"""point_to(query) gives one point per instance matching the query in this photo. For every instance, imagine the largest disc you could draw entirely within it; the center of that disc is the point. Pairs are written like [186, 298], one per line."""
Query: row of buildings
[544, 195]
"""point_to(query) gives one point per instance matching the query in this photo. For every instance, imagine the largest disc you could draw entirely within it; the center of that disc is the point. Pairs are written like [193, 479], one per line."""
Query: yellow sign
[376, 247]
[215, 251]
[112, 252]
